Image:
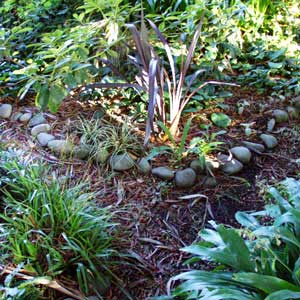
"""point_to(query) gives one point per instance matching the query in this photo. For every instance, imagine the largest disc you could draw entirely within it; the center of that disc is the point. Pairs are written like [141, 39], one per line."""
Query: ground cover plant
[51, 231]
[157, 116]
[258, 261]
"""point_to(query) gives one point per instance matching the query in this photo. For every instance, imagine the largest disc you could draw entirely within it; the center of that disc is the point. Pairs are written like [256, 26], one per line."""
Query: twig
[44, 281]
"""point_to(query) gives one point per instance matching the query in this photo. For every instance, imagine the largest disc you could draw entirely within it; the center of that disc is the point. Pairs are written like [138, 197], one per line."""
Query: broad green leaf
[265, 283]
[220, 120]
[42, 97]
[57, 94]
[247, 220]
[283, 295]
[232, 252]
[274, 65]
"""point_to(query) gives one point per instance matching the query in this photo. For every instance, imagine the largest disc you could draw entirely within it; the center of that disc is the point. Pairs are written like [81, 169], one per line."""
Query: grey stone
[101, 156]
[229, 165]
[296, 102]
[121, 162]
[144, 166]
[209, 182]
[164, 173]
[44, 138]
[257, 148]
[293, 112]
[271, 125]
[198, 167]
[241, 153]
[185, 178]
[280, 116]
[40, 128]
[81, 151]
[36, 120]
[5, 111]
[61, 146]
[269, 140]
[25, 117]
[16, 116]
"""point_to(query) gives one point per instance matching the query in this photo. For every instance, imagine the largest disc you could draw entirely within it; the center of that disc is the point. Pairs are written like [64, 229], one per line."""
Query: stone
[197, 166]
[269, 140]
[121, 162]
[36, 120]
[241, 153]
[209, 182]
[185, 178]
[16, 116]
[5, 111]
[164, 173]
[24, 118]
[229, 165]
[271, 125]
[281, 116]
[296, 102]
[293, 112]
[255, 147]
[61, 146]
[44, 138]
[101, 156]
[40, 128]
[81, 151]
[144, 166]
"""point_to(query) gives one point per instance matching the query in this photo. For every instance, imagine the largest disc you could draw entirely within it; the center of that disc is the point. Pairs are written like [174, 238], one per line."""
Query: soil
[154, 223]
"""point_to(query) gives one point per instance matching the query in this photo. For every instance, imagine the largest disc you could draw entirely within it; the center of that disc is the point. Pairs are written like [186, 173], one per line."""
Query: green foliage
[53, 230]
[203, 146]
[109, 139]
[178, 149]
[259, 261]
[220, 120]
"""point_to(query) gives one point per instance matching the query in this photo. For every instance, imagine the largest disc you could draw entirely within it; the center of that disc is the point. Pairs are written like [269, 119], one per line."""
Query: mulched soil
[154, 222]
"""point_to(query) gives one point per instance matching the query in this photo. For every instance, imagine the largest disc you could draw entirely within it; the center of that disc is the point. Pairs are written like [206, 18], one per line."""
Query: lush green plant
[205, 145]
[154, 76]
[106, 139]
[54, 230]
[259, 261]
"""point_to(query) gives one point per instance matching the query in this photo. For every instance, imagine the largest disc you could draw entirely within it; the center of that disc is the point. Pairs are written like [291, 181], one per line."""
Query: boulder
[61, 146]
[36, 120]
[121, 162]
[101, 156]
[255, 147]
[280, 116]
[185, 178]
[16, 116]
[24, 118]
[82, 151]
[209, 182]
[271, 125]
[269, 140]
[164, 173]
[293, 112]
[296, 102]
[144, 166]
[5, 111]
[197, 166]
[40, 128]
[44, 138]
[229, 165]
[241, 153]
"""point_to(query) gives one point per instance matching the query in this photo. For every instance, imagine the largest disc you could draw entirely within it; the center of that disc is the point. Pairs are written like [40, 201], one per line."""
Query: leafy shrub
[259, 261]
[53, 230]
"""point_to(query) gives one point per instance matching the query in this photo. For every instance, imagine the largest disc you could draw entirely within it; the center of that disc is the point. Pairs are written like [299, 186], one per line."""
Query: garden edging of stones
[230, 164]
